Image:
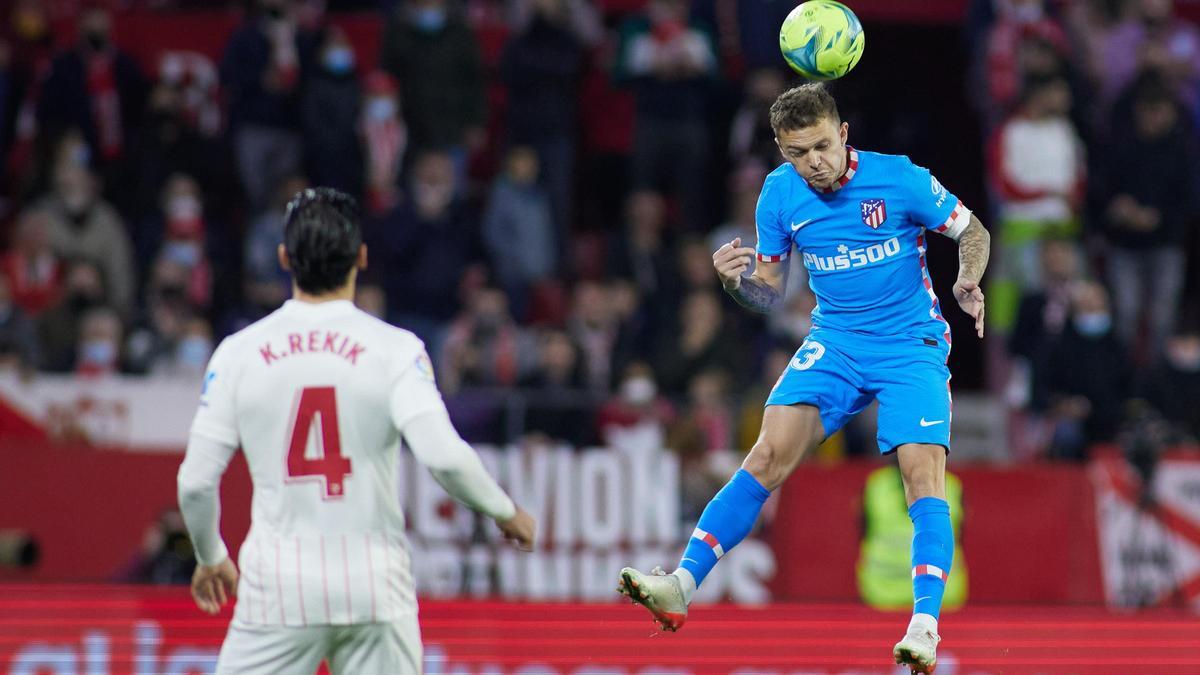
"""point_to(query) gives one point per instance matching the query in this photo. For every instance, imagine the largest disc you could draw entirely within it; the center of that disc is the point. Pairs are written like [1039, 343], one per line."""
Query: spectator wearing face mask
[1088, 379]
[431, 52]
[98, 89]
[181, 134]
[1173, 385]
[384, 140]
[57, 327]
[98, 349]
[84, 226]
[330, 109]
[636, 416]
[183, 233]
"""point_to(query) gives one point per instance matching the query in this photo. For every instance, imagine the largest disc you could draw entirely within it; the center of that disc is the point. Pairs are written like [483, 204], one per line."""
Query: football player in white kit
[318, 395]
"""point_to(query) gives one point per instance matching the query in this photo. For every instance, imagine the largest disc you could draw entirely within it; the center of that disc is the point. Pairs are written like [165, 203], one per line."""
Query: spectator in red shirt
[34, 272]
[1037, 168]
[637, 415]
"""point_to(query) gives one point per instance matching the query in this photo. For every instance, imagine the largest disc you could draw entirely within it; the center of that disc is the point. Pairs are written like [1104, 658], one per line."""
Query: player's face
[818, 152]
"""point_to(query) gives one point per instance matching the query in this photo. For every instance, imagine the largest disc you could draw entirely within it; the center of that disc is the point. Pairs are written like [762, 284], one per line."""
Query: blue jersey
[863, 242]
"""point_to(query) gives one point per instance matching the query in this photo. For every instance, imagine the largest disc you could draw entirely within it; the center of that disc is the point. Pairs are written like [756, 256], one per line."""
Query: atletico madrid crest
[874, 212]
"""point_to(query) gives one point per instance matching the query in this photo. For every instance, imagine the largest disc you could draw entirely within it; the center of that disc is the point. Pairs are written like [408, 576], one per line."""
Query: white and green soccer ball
[822, 39]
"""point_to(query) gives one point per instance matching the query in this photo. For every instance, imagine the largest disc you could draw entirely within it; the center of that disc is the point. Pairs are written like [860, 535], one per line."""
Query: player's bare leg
[788, 433]
[923, 467]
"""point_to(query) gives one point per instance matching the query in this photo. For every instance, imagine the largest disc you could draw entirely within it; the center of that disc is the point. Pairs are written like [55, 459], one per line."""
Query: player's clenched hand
[731, 261]
[970, 298]
[520, 529]
[213, 585]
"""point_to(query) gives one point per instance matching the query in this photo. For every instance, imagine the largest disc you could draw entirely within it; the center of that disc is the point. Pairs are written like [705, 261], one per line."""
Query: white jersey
[315, 395]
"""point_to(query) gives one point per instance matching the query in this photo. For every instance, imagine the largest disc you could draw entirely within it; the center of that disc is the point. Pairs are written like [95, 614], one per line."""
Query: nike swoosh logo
[923, 597]
[929, 424]
[797, 226]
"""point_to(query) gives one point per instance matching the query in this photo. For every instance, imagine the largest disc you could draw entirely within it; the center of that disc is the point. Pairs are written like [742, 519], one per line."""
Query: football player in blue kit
[859, 220]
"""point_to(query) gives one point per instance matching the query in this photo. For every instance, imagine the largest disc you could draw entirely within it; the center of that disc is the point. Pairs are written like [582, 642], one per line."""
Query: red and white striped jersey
[316, 396]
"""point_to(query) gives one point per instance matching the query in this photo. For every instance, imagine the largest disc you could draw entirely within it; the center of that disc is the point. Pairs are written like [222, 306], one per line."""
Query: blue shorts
[841, 373]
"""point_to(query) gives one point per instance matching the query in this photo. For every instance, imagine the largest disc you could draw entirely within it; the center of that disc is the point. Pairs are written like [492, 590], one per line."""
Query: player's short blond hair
[803, 106]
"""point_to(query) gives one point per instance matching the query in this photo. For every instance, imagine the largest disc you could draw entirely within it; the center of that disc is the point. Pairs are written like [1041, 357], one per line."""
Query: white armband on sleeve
[956, 223]
[455, 465]
[199, 500]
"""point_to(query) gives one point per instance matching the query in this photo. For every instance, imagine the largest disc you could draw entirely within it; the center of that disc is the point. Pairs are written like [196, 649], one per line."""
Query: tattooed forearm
[974, 247]
[755, 295]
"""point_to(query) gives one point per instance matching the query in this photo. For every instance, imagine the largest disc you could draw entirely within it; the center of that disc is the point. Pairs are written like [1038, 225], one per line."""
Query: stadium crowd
[543, 183]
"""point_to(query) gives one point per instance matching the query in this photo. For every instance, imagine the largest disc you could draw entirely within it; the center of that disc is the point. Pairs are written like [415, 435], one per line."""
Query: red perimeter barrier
[1029, 534]
[103, 630]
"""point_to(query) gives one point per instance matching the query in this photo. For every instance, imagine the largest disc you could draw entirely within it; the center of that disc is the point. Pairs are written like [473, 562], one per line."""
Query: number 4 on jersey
[318, 405]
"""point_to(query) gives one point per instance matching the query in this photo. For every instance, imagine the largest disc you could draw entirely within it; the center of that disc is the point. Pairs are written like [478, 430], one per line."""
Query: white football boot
[659, 592]
[918, 649]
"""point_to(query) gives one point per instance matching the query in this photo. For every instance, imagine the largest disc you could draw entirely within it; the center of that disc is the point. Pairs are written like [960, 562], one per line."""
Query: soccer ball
[822, 39]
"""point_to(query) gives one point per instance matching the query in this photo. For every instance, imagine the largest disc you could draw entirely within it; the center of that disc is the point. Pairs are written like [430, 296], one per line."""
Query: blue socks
[725, 522]
[731, 514]
[932, 553]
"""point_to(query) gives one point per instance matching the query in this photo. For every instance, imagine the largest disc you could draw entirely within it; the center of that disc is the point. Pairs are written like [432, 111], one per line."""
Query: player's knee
[921, 487]
[923, 469]
[921, 482]
[769, 464]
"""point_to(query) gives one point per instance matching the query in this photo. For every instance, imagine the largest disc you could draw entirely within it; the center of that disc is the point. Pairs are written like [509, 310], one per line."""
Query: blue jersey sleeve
[931, 204]
[774, 240]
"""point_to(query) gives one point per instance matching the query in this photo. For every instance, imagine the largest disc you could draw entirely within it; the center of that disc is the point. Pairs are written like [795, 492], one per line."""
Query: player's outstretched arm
[759, 292]
[456, 466]
[974, 248]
